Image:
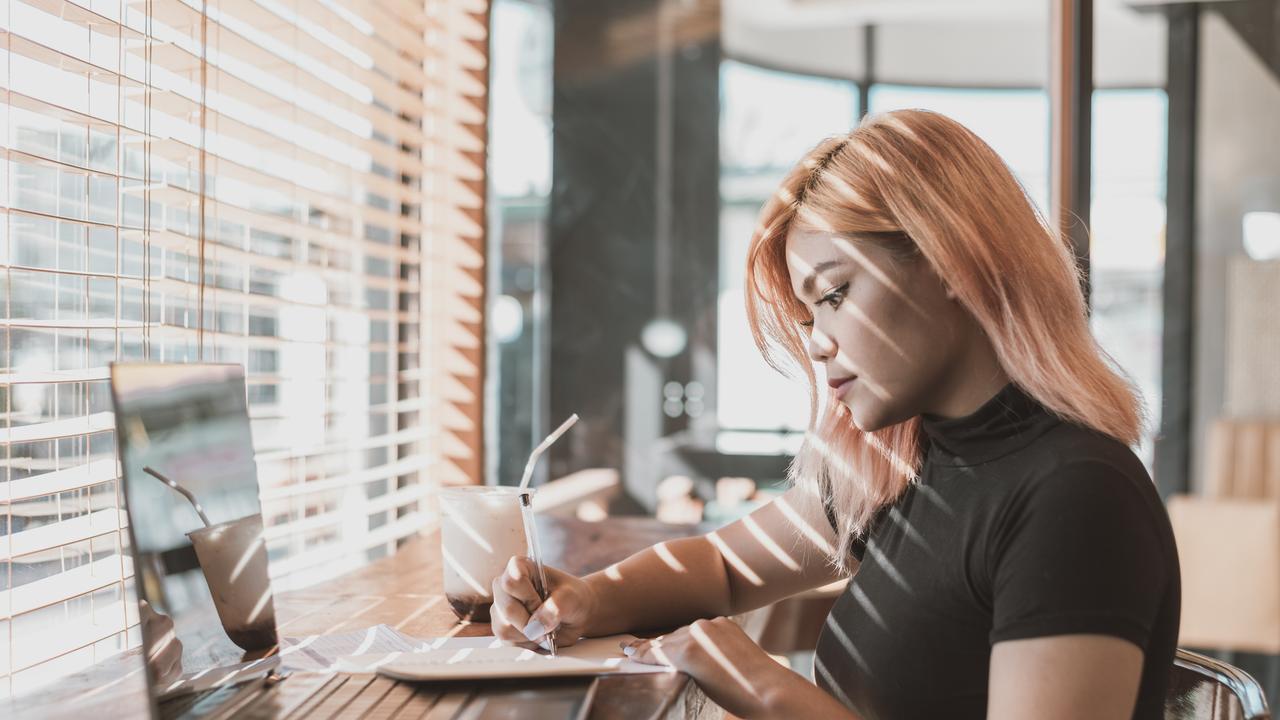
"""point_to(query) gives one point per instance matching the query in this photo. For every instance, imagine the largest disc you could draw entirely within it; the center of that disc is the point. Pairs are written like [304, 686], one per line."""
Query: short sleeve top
[1021, 525]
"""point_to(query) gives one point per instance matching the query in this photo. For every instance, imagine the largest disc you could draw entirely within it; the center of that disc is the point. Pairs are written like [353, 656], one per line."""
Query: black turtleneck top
[1021, 526]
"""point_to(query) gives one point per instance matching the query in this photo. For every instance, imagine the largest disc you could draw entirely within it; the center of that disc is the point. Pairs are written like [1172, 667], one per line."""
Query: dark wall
[606, 208]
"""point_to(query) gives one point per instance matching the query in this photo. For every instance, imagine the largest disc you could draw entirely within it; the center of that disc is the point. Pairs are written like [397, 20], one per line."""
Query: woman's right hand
[165, 655]
[520, 617]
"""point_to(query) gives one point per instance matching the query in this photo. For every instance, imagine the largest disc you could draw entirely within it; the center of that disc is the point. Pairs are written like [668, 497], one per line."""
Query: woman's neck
[976, 376]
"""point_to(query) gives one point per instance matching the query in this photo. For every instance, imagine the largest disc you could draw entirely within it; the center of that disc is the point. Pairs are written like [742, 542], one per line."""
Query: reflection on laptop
[208, 618]
[191, 492]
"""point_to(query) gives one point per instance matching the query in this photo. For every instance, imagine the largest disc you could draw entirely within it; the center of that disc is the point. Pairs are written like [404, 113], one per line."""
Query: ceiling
[987, 43]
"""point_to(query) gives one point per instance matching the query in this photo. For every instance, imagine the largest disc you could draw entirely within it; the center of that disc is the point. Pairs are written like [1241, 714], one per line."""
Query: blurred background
[633, 143]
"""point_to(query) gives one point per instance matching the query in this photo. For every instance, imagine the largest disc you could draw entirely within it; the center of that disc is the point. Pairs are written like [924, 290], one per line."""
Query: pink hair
[931, 187]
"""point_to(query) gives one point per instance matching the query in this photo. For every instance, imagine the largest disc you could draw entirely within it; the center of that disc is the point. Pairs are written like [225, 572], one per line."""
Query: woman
[969, 458]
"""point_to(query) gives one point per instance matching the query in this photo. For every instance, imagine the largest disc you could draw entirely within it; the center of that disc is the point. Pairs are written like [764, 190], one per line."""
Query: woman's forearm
[669, 584]
[792, 696]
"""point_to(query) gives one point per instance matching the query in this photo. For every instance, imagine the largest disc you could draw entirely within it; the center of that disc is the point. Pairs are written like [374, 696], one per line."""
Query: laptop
[201, 569]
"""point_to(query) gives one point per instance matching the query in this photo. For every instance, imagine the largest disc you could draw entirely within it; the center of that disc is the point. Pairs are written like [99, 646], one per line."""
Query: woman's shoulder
[1081, 473]
[1071, 453]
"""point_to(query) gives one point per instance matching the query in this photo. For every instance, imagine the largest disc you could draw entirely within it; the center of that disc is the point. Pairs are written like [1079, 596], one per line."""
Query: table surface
[404, 591]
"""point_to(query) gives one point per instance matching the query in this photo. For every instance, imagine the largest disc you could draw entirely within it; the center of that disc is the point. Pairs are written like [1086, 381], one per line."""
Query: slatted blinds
[294, 185]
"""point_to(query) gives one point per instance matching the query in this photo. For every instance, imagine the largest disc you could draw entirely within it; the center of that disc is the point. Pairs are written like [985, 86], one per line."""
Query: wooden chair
[1228, 538]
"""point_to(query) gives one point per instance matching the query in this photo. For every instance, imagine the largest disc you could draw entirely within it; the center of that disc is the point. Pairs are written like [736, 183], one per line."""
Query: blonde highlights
[927, 187]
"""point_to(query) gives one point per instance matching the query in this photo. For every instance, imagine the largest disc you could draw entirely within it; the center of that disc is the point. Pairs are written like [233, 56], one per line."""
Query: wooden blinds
[293, 185]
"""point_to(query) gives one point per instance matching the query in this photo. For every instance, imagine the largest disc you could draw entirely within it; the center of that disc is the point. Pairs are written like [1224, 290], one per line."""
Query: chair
[1228, 538]
[1202, 688]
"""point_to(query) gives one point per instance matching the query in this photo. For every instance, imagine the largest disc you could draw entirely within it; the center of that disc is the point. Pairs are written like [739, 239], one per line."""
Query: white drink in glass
[233, 556]
[481, 528]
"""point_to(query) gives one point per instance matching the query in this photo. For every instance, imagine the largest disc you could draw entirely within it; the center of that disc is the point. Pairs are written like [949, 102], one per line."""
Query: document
[487, 657]
[312, 653]
[319, 653]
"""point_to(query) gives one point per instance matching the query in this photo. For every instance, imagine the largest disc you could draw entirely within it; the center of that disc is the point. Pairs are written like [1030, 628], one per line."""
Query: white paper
[371, 648]
[217, 677]
[490, 657]
[324, 652]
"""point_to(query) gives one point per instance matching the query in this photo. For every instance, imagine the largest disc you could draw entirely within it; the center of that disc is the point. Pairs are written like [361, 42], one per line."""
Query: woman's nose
[821, 347]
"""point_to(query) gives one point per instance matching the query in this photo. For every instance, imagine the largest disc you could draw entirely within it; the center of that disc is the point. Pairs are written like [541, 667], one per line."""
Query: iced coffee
[481, 528]
[233, 556]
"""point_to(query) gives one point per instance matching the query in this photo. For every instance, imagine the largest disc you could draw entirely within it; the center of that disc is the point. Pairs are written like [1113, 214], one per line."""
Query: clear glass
[481, 529]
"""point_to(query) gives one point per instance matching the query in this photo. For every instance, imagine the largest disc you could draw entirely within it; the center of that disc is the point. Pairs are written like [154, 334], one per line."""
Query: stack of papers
[387, 651]
[318, 653]
[488, 657]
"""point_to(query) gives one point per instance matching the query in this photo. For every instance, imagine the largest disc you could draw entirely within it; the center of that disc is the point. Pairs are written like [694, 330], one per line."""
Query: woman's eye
[807, 323]
[834, 297]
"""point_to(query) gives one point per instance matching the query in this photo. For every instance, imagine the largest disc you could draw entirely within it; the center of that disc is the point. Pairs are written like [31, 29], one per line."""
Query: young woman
[968, 466]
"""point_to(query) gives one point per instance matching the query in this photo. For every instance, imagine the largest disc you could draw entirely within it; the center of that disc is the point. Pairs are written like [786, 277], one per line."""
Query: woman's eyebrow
[807, 285]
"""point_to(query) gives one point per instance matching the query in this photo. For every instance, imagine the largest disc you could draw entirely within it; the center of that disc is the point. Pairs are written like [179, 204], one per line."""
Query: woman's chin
[867, 418]
[862, 420]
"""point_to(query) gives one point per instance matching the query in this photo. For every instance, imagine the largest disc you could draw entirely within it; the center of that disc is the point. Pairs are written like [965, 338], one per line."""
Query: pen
[526, 513]
[535, 553]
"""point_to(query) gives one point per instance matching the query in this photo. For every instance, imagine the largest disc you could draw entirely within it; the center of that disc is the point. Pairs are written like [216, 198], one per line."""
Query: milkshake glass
[233, 556]
[481, 528]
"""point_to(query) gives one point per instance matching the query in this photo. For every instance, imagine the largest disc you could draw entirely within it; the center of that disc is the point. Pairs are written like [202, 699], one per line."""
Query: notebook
[478, 658]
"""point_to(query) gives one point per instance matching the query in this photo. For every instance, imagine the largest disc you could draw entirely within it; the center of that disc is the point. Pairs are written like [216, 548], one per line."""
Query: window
[761, 140]
[1014, 122]
[1126, 252]
[768, 121]
[520, 190]
[282, 185]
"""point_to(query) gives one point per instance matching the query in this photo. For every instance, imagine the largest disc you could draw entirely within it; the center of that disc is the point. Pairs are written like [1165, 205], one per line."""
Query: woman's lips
[840, 385]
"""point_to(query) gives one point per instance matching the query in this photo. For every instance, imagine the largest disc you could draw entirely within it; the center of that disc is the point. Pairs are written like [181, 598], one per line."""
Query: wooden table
[404, 591]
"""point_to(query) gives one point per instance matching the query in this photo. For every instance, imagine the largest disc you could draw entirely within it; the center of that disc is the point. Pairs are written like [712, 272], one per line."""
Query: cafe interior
[430, 231]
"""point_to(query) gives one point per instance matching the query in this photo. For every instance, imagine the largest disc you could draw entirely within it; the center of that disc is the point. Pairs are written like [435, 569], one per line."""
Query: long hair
[927, 187]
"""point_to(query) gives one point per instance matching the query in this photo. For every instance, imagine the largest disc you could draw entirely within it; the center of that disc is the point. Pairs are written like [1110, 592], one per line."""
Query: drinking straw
[537, 452]
[185, 492]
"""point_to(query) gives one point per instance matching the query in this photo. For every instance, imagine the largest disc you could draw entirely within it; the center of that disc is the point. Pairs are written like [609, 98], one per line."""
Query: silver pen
[526, 512]
[535, 554]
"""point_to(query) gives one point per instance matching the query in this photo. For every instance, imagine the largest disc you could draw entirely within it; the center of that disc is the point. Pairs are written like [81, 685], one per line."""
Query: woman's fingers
[521, 616]
[517, 581]
[539, 617]
[504, 628]
[524, 618]
[507, 616]
[543, 620]
[651, 651]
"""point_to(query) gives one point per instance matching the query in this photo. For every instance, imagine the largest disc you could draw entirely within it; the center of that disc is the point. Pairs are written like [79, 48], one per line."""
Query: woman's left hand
[729, 667]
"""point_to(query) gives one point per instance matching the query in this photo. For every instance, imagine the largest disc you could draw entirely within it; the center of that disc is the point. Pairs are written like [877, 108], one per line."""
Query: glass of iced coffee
[233, 556]
[481, 528]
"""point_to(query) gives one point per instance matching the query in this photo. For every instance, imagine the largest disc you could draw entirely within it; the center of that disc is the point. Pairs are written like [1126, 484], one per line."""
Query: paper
[487, 657]
[324, 652]
[217, 677]
[313, 653]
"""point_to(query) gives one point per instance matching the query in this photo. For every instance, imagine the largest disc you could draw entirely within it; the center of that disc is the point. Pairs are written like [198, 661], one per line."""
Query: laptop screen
[191, 490]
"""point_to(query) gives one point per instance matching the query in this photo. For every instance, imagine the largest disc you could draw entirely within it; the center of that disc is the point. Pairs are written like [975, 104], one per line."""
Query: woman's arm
[779, 550]
[1064, 676]
[736, 674]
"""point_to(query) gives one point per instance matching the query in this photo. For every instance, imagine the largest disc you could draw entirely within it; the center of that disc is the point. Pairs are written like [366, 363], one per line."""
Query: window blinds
[293, 185]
